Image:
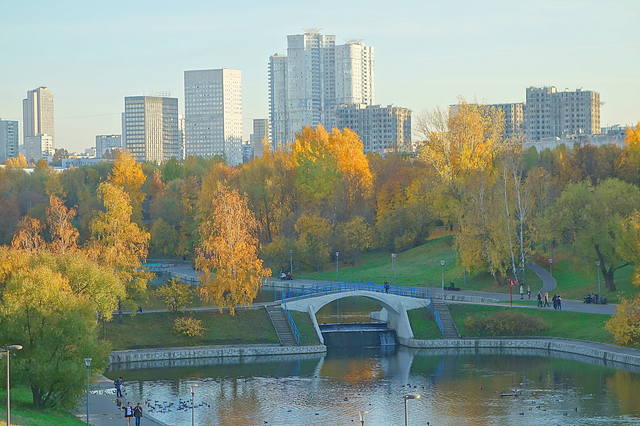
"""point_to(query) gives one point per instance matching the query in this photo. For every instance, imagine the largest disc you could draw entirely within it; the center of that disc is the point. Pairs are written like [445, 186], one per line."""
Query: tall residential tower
[8, 139]
[150, 127]
[37, 123]
[213, 114]
[315, 76]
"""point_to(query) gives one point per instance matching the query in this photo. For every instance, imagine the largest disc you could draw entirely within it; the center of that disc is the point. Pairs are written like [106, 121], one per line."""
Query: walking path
[548, 282]
[103, 410]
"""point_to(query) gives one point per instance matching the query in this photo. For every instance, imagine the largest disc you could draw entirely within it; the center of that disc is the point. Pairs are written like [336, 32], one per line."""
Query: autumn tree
[163, 238]
[628, 247]
[118, 242]
[312, 244]
[62, 233]
[128, 175]
[228, 251]
[19, 162]
[29, 234]
[352, 238]
[625, 324]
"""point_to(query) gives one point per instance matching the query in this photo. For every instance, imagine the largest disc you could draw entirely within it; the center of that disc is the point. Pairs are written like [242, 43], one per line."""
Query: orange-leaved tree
[227, 255]
[64, 235]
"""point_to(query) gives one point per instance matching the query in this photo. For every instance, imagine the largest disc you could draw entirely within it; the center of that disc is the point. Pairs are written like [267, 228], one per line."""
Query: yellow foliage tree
[64, 235]
[228, 251]
[19, 162]
[29, 234]
[128, 175]
[625, 324]
[116, 241]
[628, 247]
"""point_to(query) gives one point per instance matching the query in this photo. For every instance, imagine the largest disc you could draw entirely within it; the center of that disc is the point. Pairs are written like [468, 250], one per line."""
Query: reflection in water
[458, 388]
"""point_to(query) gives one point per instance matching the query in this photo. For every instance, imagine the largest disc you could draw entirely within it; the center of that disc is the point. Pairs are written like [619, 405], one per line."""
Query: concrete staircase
[280, 323]
[450, 331]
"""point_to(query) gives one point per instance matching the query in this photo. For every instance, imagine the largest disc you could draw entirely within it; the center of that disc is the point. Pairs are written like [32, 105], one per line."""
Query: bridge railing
[292, 324]
[333, 287]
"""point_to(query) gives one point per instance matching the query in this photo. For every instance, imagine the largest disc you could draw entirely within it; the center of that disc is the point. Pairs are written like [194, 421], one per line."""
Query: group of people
[543, 301]
[129, 411]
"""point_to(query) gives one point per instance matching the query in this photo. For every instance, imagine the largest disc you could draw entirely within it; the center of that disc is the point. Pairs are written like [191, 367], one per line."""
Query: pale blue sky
[93, 53]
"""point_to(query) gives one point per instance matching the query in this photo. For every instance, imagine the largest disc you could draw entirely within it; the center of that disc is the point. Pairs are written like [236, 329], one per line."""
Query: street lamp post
[551, 265]
[87, 363]
[406, 413]
[598, 277]
[7, 352]
[192, 406]
[393, 267]
[442, 263]
[337, 264]
[290, 261]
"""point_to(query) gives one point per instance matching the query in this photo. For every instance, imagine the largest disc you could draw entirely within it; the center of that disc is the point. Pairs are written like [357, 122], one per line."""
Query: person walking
[529, 292]
[521, 292]
[386, 287]
[539, 300]
[128, 413]
[559, 301]
[137, 413]
[554, 299]
[118, 385]
[546, 300]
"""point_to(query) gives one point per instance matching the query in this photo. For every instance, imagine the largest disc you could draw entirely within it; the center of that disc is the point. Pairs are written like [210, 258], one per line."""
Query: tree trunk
[608, 279]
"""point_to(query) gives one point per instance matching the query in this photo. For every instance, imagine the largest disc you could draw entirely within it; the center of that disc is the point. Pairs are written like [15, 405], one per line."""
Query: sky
[91, 54]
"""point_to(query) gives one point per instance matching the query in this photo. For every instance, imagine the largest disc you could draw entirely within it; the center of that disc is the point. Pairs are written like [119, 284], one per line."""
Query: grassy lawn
[23, 413]
[419, 266]
[577, 277]
[423, 324]
[573, 325]
[307, 332]
[348, 310]
[156, 330]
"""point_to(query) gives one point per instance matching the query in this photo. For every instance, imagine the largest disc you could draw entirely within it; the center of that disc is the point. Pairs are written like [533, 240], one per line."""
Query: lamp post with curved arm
[7, 353]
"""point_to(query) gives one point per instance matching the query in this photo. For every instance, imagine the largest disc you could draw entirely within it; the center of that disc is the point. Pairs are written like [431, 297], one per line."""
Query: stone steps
[281, 325]
[450, 331]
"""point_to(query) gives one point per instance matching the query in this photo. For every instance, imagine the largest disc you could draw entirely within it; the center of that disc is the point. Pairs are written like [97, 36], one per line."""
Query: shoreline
[212, 351]
[604, 352]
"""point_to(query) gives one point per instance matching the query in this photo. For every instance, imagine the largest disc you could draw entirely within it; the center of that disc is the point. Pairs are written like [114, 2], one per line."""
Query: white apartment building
[150, 125]
[106, 143]
[261, 132]
[213, 114]
[8, 139]
[37, 123]
[550, 113]
[307, 84]
[381, 128]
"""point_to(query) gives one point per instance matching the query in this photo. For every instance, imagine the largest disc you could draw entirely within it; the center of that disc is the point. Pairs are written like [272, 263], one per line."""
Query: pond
[458, 387]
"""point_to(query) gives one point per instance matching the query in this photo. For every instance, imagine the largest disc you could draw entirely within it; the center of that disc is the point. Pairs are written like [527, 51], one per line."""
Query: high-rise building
[8, 139]
[247, 151]
[37, 123]
[381, 129]
[182, 136]
[549, 113]
[213, 114]
[106, 143]
[261, 132]
[307, 84]
[513, 118]
[151, 128]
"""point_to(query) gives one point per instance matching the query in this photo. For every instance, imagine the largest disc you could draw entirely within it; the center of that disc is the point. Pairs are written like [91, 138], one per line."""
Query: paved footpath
[103, 410]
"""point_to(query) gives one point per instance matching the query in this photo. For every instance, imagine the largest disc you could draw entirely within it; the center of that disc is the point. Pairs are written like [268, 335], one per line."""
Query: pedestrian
[546, 300]
[386, 287]
[128, 413]
[137, 413]
[555, 301]
[539, 300]
[529, 292]
[521, 292]
[118, 385]
[559, 300]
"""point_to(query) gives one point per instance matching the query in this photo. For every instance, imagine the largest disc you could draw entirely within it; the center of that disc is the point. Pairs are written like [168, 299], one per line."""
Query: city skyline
[426, 55]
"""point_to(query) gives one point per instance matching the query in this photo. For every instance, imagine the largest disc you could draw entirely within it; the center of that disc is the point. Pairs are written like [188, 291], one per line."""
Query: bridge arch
[395, 306]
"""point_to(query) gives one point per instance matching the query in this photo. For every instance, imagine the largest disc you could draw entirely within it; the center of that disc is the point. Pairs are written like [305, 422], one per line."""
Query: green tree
[175, 295]
[588, 219]
[164, 238]
[312, 245]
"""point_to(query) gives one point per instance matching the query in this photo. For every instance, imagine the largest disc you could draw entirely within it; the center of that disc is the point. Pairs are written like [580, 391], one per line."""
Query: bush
[625, 324]
[188, 326]
[506, 323]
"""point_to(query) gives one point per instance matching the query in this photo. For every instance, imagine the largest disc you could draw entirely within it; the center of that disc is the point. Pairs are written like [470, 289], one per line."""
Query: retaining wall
[602, 351]
[195, 352]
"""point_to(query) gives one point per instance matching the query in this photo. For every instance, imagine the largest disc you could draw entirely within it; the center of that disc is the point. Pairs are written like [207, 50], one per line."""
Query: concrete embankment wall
[195, 352]
[601, 351]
